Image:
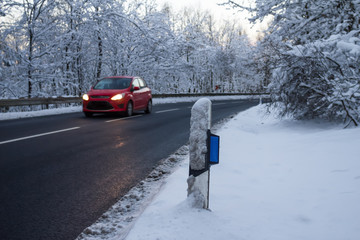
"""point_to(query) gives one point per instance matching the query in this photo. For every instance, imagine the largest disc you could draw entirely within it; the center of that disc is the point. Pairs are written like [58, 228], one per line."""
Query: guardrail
[6, 103]
[38, 101]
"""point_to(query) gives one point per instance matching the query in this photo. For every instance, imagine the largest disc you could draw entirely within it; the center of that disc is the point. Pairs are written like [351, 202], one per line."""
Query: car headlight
[117, 97]
[86, 97]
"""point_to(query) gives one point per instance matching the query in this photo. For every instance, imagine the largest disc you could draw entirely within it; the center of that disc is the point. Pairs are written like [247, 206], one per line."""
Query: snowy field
[277, 180]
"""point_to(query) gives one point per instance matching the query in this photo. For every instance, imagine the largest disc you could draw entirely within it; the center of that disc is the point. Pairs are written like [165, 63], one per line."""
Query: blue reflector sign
[214, 149]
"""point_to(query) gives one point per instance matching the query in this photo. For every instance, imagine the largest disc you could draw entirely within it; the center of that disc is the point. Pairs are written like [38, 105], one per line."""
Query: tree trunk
[29, 73]
[100, 55]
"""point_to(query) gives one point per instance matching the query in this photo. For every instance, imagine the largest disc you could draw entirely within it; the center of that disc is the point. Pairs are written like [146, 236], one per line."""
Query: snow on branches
[61, 47]
[312, 56]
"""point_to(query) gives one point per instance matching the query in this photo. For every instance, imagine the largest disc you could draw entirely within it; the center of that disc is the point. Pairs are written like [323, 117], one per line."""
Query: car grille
[99, 96]
[99, 105]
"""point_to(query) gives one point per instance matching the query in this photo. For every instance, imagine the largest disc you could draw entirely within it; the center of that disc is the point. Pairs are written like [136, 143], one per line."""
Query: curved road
[58, 174]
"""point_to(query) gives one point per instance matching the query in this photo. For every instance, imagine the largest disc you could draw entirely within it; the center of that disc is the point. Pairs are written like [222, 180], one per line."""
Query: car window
[142, 83]
[113, 83]
[136, 83]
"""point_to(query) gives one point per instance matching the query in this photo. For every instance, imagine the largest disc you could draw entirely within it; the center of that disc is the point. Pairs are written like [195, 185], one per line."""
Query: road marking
[38, 135]
[216, 104]
[120, 119]
[169, 110]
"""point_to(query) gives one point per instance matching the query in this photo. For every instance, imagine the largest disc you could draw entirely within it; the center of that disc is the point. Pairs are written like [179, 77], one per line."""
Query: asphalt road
[58, 174]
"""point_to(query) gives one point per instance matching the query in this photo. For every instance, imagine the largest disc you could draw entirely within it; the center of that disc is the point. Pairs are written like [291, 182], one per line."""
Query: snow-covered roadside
[45, 112]
[57, 111]
[278, 179]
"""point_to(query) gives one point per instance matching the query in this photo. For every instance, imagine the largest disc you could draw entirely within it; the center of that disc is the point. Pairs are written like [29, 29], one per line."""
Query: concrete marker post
[199, 172]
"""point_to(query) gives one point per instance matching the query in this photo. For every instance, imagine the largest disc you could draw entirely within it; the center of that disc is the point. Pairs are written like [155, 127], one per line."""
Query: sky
[210, 4]
[220, 12]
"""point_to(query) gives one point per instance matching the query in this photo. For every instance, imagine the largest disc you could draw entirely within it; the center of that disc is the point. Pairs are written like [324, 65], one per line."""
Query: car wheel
[129, 109]
[88, 114]
[149, 107]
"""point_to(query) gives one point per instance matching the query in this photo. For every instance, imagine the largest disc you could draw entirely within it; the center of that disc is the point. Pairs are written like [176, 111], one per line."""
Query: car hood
[106, 92]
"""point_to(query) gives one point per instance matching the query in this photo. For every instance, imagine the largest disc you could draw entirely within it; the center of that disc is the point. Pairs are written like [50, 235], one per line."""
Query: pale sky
[218, 11]
[211, 4]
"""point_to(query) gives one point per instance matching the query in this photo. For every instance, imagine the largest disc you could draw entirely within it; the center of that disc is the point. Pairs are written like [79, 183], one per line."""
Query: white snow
[46, 112]
[277, 179]
[353, 48]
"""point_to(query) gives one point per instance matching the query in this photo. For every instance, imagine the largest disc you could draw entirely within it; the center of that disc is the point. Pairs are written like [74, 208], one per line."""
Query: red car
[118, 94]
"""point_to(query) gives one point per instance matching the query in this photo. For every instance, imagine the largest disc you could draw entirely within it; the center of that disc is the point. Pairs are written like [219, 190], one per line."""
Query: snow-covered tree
[315, 48]
[27, 41]
[61, 47]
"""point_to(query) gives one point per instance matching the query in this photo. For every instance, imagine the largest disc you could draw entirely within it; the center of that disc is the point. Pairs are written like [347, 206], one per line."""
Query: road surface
[59, 174]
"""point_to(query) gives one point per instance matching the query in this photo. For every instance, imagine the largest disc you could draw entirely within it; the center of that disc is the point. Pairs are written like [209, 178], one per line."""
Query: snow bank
[55, 111]
[278, 179]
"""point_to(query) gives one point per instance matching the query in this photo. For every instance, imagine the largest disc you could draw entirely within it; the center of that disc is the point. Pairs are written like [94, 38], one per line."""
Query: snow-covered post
[199, 173]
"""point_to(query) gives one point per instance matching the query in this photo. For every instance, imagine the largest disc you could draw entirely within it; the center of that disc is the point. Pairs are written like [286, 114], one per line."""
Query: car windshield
[113, 83]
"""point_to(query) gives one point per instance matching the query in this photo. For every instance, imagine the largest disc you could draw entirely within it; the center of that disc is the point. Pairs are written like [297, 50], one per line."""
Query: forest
[308, 59]
[62, 47]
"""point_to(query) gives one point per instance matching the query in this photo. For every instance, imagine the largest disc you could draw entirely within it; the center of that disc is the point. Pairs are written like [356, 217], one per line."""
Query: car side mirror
[135, 88]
